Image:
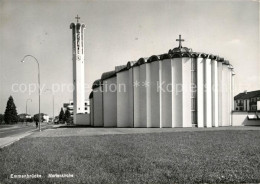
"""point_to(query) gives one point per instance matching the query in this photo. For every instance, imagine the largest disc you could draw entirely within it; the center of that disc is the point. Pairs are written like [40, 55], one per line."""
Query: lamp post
[39, 89]
[52, 103]
[26, 107]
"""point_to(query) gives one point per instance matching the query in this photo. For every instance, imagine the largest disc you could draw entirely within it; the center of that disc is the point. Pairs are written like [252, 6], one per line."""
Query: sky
[117, 32]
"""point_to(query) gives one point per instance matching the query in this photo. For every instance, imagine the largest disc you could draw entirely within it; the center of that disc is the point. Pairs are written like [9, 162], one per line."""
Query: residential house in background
[247, 101]
[70, 107]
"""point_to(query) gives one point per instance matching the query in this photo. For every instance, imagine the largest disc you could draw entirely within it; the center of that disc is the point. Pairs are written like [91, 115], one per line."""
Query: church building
[180, 88]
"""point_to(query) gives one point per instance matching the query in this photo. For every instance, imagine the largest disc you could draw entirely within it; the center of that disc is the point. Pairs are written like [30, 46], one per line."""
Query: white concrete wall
[140, 95]
[91, 112]
[136, 80]
[154, 92]
[143, 96]
[148, 95]
[83, 119]
[166, 93]
[229, 96]
[240, 119]
[207, 93]
[125, 99]
[214, 81]
[225, 104]
[131, 98]
[220, 83]
[98, 106]
[200, 92]
[186, 94]
[177, 105]
[110, 102]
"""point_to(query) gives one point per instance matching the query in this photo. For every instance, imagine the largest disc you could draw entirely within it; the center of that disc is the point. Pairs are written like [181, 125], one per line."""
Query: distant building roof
[247, 95]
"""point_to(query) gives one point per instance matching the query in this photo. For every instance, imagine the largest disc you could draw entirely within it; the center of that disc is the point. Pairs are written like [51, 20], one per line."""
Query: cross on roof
[180, 40]
[77, 18]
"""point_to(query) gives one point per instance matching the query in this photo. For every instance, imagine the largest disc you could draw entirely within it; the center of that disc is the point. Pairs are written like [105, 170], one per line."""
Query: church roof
[96, 83]
[91, 95]
[247, 95]
[153, 58]
[177, 52]
[226, 62]
[119, 68]
[140, 62]
[179, 49]
[108, 75]
[131, 63]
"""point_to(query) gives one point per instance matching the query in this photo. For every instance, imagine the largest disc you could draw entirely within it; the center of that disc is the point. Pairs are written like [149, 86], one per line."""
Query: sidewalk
[20, 125]
[6, 141]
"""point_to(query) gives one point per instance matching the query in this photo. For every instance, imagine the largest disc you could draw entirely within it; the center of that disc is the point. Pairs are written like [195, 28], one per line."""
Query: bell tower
[78, 68]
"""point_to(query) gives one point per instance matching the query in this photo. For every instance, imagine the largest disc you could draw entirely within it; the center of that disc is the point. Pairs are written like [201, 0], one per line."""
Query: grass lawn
[206, 156]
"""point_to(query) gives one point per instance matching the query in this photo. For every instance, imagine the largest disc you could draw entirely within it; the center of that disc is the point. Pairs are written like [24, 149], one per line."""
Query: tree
[1, 118]
[36, 117]
[61, 115]
[67, 116]
[10, 112]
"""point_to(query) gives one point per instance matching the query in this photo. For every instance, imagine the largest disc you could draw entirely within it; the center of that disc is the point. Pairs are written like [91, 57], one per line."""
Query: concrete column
[160, 91]
[140, 85]
[176, 72]
[130, 98]
[143, 96]
[148, 94]
[166, 93]
[110, 102]
[220, 83]
[200, 93]
[155, 94]
[225, 95]
[136, 83]
[98, 106]
[214, 79]
[207, 93]
[230, 96]
[186, 94]
[124, 99]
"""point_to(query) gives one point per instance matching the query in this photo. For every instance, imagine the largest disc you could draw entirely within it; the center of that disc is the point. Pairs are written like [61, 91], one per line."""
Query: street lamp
[52, 103]
[26, 107]
[39, 89]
